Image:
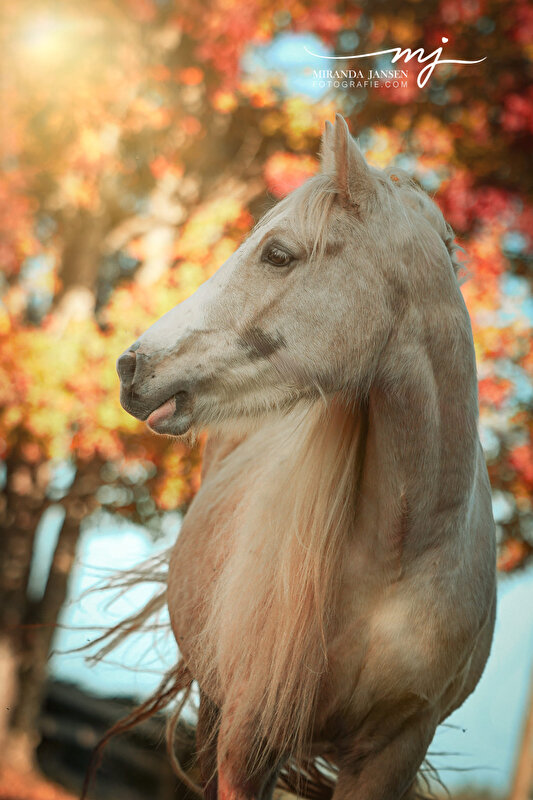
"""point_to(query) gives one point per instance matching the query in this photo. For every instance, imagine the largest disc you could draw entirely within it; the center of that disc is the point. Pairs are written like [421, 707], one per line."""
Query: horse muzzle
[165, 405]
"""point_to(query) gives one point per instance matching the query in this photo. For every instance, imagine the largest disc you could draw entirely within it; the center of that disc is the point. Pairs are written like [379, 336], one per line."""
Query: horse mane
[311, 205]
[266, 628]
[279, 657]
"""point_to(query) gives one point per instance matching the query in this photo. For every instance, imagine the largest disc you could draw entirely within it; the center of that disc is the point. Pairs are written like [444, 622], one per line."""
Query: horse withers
[332, 589]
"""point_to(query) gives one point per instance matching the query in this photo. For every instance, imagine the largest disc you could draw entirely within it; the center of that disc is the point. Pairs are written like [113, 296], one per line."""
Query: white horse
[332, 589]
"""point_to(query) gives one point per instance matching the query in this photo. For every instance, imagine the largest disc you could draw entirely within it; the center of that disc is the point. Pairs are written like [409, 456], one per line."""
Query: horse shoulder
[429, 630]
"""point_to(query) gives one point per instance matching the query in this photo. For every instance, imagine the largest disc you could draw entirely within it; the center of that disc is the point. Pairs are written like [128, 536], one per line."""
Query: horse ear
[327, 148]
[342, 158]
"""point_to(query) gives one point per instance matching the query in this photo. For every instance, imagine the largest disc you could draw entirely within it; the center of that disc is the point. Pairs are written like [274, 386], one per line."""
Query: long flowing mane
[267, 623]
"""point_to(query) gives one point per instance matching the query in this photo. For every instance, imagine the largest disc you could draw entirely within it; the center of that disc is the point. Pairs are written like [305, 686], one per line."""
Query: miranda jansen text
[431, 60]
[357, 79]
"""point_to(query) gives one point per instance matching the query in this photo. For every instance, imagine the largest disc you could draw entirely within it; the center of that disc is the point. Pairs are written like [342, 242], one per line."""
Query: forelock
[308, 209]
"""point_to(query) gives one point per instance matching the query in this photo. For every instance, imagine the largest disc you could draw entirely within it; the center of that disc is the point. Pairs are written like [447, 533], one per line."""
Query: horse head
[305, 306]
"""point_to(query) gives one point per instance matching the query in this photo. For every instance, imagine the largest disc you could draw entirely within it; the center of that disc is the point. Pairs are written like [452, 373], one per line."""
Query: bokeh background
[140, 141]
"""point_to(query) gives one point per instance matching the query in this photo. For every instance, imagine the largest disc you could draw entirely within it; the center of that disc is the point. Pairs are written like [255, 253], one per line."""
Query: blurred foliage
[137, 148]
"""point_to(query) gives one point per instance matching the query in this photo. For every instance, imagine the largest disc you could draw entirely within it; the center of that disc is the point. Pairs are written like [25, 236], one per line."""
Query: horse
[332, 588]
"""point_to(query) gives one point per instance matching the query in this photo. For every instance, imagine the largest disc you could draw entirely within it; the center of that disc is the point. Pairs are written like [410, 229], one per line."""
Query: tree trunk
[79, 269]
[28, 627]
[38, 633]
[23, 503]
[8, 687]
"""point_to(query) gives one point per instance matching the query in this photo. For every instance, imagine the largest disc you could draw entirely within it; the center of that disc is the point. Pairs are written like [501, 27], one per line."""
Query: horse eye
[277, 257]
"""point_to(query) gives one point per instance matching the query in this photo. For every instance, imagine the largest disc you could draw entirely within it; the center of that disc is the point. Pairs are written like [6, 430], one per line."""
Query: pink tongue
[163, 412]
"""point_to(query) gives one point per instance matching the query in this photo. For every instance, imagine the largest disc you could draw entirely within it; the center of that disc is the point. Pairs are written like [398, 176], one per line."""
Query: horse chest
[199, 559]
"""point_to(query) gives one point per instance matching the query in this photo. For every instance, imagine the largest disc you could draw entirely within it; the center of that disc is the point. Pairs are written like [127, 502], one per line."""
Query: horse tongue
[162, 413]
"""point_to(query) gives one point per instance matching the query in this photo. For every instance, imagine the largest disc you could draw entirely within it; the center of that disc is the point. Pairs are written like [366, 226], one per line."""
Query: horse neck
[423, 442]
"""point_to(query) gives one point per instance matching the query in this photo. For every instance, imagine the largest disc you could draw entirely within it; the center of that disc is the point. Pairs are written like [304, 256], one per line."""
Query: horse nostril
[126, 367]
